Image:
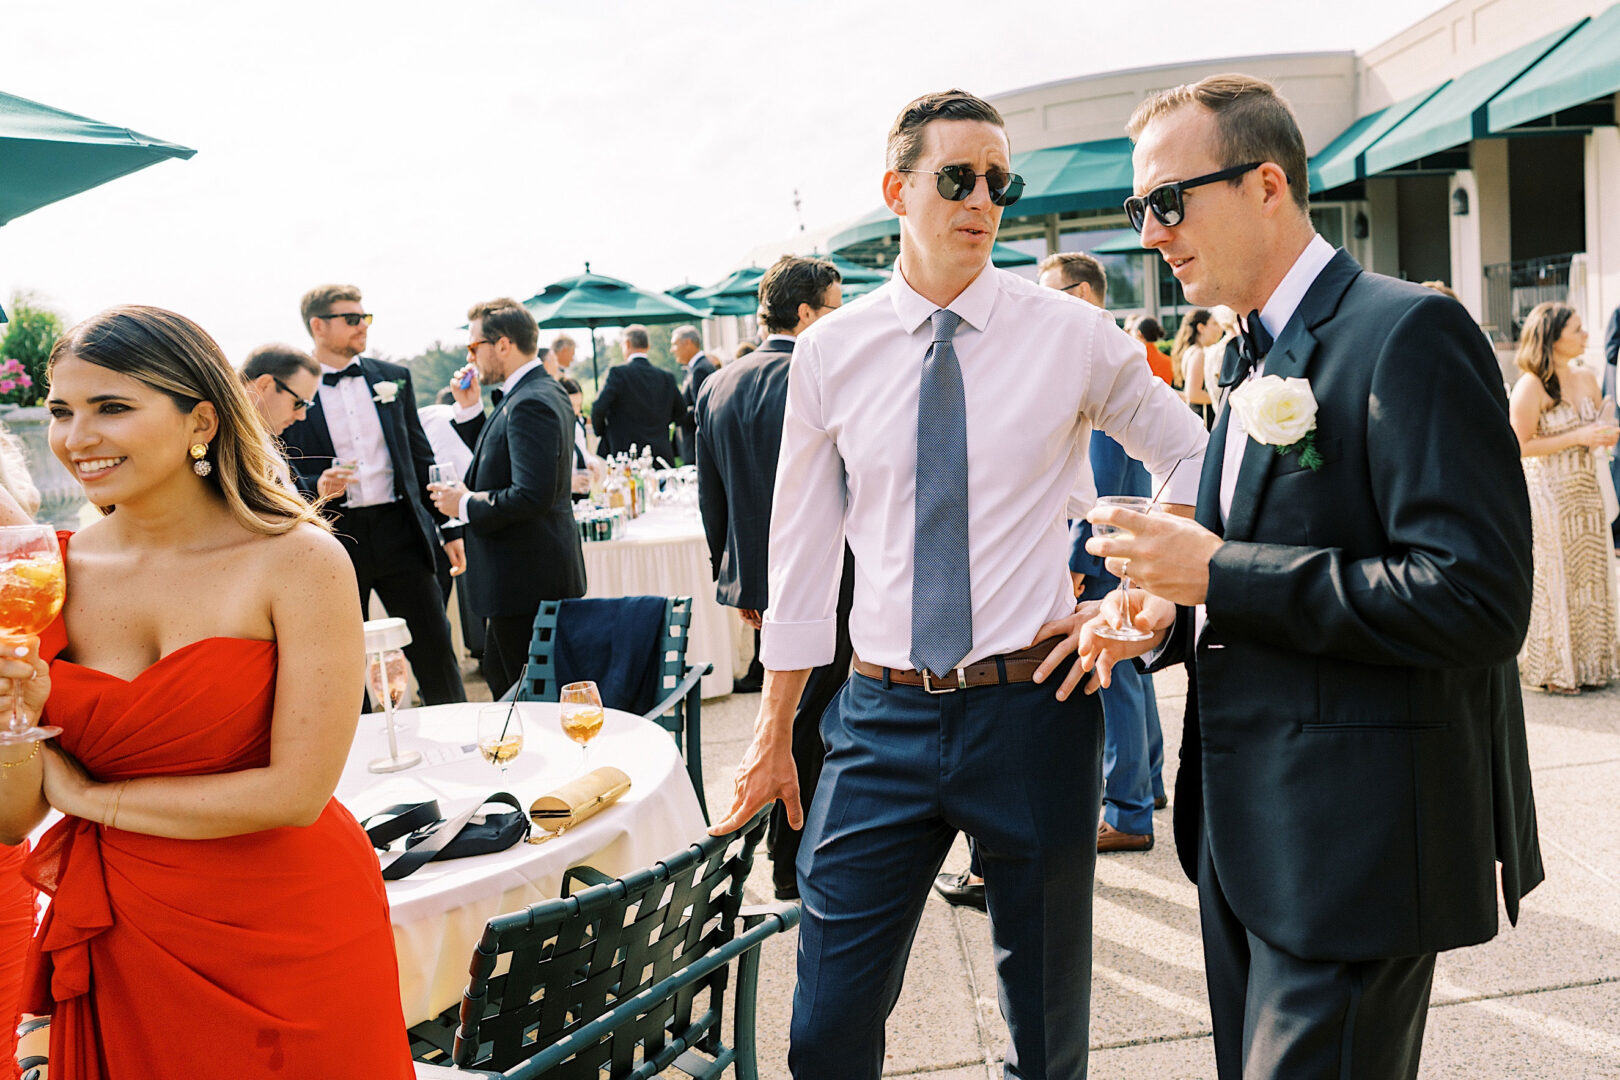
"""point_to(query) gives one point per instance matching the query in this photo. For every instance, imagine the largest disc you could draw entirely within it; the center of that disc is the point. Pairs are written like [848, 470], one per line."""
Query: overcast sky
[441, 153]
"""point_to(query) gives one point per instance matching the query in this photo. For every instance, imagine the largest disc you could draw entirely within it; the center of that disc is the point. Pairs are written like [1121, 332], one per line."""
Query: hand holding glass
[1127, 629]
[582, 716]
[440, 473]
[32, 588]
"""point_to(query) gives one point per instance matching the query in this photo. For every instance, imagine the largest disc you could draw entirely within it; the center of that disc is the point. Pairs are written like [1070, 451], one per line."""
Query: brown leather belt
[1013, 667]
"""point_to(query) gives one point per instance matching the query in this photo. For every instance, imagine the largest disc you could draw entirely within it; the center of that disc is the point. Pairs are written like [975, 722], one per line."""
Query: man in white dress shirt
[962, 397]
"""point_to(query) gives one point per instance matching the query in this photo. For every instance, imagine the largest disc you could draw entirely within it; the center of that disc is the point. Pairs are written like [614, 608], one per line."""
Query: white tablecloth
[439, 911]
[665, 554]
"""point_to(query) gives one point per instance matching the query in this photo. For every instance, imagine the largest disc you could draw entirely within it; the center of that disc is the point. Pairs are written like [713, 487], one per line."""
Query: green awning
[1342, 161]
[49, 154]
[1585, 67]
[1456, 113]
[1129, 243]
[1058, 179]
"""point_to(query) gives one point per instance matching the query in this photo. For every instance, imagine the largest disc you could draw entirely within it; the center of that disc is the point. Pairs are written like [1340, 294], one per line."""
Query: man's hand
[447, 497]
[474, 392]
[456, 551]
[751, 618]
[1168, 554]
[1150, 613]
[1079, 580]
[334, 481]
[766, 772]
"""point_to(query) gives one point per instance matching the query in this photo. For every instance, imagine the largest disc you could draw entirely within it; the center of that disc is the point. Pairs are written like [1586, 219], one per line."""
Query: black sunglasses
[956, 182]
[353, 318]
[298, 402]
[1166, 200]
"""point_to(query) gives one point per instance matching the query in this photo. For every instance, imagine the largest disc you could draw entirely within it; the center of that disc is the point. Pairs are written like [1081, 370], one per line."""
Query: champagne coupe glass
[500, 733]
[440, 473]
[32, 588]
[1127, 629]
[582, 717]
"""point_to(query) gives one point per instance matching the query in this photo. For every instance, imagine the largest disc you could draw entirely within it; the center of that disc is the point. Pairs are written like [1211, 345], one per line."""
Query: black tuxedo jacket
[522, 544]
[310, 453]
[637, 405]
[697, 373]
[739, 435]
[1354, 746]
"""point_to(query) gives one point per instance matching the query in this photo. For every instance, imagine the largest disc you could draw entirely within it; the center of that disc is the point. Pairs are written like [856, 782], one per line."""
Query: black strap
[425, 851]
[403, 819]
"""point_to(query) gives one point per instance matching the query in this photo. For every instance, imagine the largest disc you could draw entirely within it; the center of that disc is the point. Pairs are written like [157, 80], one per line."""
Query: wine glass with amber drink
[32, 588]
[500, 733]
[582, 717]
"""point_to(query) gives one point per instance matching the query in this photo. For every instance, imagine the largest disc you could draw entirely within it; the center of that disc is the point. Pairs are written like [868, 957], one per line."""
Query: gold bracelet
[118, 796]
[32, 754]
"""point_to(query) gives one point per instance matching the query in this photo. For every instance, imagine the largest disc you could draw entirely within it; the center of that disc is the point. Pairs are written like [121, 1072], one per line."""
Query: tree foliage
[29, 336]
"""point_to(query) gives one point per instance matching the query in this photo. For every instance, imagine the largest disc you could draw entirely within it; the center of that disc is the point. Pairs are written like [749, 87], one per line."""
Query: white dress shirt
[465, 413]
[357, 435]
[1274, 316]
[1039, 367]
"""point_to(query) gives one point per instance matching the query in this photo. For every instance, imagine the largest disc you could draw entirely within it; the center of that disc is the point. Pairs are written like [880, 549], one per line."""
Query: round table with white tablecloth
[664, 553]
[439, 911]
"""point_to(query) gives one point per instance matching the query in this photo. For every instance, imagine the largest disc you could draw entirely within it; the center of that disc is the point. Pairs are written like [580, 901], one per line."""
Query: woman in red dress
[214, 911]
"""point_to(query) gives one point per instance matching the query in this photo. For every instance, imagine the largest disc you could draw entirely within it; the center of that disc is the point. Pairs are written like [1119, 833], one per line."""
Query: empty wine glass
[440, 473]
[1127, 629]
[582, 717]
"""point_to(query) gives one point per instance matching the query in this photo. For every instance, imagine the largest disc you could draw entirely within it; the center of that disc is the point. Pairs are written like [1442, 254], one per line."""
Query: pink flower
[24, 380]
[7, 385]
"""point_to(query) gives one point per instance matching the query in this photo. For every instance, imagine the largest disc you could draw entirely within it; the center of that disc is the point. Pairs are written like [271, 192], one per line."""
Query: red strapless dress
[264, 955]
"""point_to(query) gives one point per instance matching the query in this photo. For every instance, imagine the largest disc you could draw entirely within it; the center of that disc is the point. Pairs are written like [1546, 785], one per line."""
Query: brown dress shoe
[1160, 802]
[1111, 839]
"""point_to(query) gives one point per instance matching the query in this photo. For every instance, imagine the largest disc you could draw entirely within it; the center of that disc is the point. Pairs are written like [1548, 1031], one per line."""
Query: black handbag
[429, 838]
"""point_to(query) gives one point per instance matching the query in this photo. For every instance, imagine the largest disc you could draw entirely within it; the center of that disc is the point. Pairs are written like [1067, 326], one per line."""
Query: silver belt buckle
[928, 682]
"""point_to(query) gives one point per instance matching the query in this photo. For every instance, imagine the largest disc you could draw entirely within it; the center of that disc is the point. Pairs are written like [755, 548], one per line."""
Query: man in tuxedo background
[522, 546]
[637, 403]
[1353, 764]
[364, 413]
[687, 346]
[282, 381]
[562, 352]
[739, 431]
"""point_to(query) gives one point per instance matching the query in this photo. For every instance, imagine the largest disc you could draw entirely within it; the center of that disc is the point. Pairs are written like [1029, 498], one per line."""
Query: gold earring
[199, 459]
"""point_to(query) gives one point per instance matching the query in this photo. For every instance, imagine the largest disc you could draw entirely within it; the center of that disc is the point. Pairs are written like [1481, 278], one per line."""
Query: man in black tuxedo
[362, 444]
[637, 403]
[739, 431]
[1349, 607]
[687, 346]
[522, 546]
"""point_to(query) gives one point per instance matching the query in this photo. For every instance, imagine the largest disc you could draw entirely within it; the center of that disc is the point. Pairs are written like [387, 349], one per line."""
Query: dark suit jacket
[1354, 749]
[697, 373]
[309, 450]
[522, 544]
[739, 435]
[637, 405]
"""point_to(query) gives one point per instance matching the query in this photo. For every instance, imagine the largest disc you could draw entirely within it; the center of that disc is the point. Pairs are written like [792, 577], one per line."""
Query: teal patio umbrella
[47, 154]
[598, 300]
[684, 291]
[735, 294]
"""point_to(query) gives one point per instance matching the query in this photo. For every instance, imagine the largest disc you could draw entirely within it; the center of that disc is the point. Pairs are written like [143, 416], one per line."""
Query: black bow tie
[495, 397]
[332, 378]
[1245, 351]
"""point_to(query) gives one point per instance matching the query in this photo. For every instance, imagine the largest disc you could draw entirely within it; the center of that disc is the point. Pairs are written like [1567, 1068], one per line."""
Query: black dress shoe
[1160, 802]
[959, 890]
[747, 686]
[787, 892]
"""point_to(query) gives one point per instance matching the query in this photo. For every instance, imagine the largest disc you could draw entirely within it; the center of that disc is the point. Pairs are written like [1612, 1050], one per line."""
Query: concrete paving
[1539, 1001]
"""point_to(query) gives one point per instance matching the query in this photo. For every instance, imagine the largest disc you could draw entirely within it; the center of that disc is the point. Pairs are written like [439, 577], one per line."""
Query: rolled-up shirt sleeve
[807, 528]
[1125, 400]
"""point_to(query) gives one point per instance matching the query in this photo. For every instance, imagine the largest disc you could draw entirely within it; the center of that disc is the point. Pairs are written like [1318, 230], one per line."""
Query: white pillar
[1602, 235]
[1467, 271]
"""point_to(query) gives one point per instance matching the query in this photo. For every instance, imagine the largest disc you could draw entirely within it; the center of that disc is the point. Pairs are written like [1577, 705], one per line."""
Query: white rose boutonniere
[386, 392]
[1280, 413]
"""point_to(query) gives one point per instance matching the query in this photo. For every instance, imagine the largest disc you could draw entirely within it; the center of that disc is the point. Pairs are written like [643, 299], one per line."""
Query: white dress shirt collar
[512, 379]
[633, 355]
[789, 338]
[973, 304]
[1285, 298]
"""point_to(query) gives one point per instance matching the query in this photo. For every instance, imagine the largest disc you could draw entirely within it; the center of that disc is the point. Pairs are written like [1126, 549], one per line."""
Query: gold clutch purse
[558, 811]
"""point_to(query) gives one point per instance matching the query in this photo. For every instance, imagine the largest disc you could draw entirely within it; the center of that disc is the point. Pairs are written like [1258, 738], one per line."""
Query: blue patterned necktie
[941, 598]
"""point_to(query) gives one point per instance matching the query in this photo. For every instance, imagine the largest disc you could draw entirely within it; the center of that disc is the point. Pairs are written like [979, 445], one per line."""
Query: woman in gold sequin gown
[1555, 409]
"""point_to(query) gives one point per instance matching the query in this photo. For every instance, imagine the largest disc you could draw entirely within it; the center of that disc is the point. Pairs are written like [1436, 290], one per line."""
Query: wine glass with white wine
[500, 733]
[1127, 630]
[582, 717]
